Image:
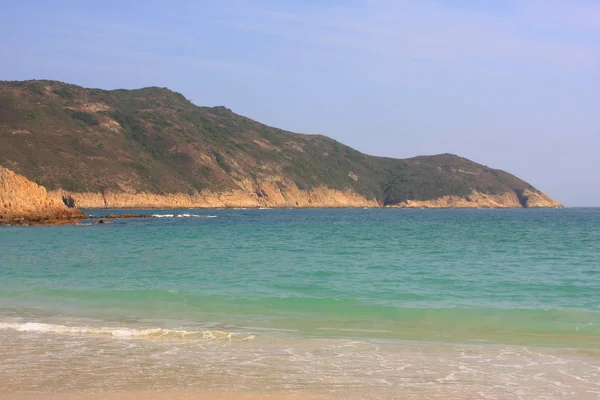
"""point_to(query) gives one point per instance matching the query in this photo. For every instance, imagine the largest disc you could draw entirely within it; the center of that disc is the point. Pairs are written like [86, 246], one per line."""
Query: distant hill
[153, 147]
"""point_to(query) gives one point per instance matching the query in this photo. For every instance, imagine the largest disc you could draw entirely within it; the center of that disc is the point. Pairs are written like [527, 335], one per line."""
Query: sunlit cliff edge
[318, 198]
[23, 200]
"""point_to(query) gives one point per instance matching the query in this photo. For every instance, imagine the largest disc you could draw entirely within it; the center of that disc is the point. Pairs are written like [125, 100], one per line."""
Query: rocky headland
[516, 199]
[153, 148]
[23, 202]
[318, 198]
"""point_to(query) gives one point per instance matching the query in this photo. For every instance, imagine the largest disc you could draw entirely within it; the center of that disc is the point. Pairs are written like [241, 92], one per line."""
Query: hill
[152, 147]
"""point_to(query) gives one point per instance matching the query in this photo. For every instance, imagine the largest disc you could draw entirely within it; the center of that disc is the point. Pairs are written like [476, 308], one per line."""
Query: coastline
[168, 395]
[318, 198]
[25, 203]
[76, 219]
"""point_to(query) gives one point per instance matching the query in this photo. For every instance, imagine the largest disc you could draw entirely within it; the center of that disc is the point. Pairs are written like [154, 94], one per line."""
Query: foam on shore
[124, 333]
[182, 216]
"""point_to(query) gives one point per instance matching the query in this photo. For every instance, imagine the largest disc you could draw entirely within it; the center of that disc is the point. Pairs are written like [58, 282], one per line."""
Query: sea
[336, 303]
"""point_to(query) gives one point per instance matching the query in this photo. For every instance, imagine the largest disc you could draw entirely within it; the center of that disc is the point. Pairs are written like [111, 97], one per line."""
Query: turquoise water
[440, 278]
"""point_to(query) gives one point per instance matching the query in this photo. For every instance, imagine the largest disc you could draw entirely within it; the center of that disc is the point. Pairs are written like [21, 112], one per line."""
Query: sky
[512, 84]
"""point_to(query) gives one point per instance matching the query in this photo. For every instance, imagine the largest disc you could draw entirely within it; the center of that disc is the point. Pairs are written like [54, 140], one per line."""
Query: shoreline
[317, 208]
[321, 197]
[166, 395]
[76, 220]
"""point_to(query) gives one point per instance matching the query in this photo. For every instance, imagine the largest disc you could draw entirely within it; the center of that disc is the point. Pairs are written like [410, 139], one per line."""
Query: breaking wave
[125, 333]
[182, 216]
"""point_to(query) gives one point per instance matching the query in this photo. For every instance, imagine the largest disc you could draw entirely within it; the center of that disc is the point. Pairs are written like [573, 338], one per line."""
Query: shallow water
[351, 303]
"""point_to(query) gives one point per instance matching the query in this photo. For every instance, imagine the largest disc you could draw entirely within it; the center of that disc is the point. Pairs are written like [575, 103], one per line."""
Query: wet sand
[171, 395]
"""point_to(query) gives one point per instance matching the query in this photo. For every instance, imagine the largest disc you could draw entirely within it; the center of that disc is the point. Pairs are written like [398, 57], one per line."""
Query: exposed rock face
[295, 198]
[23, 200]
[266, 195]
[525, 199]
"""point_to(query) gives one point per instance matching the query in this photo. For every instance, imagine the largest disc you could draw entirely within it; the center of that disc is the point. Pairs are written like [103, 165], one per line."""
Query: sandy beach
[171, 395]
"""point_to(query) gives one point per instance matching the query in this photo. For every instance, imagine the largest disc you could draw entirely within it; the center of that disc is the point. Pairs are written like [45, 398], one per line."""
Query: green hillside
[155, 140]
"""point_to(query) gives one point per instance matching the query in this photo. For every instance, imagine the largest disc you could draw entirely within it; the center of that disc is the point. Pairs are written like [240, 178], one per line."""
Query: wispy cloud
[553, 35]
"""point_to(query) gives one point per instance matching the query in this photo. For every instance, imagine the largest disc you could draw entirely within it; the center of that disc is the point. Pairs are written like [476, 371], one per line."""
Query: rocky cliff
[28, 202]
[265, 195]
[152, 147]
[517, 199]
[295, 198]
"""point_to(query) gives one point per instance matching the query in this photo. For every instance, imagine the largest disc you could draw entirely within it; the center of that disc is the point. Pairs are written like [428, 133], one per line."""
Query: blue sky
[512, 84]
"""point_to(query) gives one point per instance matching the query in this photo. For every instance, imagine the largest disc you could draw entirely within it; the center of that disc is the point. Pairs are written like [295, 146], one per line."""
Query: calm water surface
[352, 303]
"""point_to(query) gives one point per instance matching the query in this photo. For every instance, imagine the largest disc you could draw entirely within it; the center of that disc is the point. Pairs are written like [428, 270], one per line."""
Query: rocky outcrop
[264, 195]
[25, 202]
[292, 197]
[516, 199]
